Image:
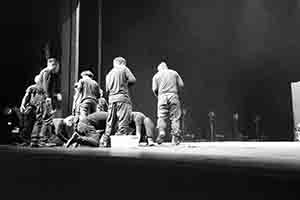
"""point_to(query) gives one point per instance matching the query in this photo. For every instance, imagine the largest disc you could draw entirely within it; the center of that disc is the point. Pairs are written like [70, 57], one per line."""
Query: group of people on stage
[93, 120]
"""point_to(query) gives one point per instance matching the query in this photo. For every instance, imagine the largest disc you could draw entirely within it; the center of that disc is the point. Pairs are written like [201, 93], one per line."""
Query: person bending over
[144, 127]
[89, 130]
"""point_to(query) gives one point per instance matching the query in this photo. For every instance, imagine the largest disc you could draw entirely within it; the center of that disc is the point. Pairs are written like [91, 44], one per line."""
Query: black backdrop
[26, 26]
[234, 56]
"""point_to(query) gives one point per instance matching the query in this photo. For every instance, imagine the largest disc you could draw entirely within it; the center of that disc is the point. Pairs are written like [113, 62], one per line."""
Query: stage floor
[267, 155]
[210, 170]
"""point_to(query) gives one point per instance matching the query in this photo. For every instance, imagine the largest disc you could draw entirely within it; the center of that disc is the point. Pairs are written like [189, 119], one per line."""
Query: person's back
[36, 94]
[47, 81]
[87, 95]
[167, 81]
[167, 86]
[117, 84]
[89, 88]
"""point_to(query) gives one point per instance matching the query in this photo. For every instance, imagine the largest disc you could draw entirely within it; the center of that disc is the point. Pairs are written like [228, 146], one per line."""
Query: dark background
[26, 26]
[234, 56]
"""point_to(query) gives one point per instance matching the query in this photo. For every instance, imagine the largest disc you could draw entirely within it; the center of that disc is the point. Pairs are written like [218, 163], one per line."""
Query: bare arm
[130, 77]
[97, 91]
[106, 85]
[154, 86]
[180, 82]
[149, 126]
[138, 126]
[25, 100]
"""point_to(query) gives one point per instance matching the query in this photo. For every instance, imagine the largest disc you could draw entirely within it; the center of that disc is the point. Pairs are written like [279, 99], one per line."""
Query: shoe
[42, 144]
[160, 139]
[143, 139]
[150, 142]
[105, 141]
[50, 144]
[34, 144]
[72, 140]
[176, 139]
[23, 144]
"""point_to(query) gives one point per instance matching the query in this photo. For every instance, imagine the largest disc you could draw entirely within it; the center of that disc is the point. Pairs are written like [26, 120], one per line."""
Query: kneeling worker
[89, 130]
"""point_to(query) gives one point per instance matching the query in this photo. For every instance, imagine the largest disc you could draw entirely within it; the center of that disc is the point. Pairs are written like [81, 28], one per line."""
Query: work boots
[176, 139]
[150, 142]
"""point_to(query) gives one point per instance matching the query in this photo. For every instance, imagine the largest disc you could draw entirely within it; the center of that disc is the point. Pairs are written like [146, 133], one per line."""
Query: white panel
[295, 87]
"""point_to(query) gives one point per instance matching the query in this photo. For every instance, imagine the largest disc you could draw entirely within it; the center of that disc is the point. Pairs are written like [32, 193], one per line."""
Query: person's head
[52, 63]
[37, 78]
[76, 85]
[162, 66]
[87, 73]
[118, 61]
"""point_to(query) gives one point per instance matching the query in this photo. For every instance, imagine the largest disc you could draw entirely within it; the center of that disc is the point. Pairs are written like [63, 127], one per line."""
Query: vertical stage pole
[75, 40]
[70, 51]
[99, 42]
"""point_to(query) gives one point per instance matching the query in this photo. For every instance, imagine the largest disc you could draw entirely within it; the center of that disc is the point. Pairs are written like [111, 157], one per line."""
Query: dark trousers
[88, 135]
[169, 109]
[86, 107]
[118, 113]
[43, 122]
[27, 121]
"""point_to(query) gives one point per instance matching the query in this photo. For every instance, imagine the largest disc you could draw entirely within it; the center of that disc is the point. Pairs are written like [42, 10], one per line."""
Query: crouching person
[89, 130]
[144, 127]
[63, 130]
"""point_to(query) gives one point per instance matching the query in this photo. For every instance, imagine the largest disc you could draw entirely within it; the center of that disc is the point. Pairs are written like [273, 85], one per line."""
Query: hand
[69, 120]
[48, 100]
[22, 108]
[59, 97]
